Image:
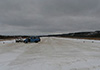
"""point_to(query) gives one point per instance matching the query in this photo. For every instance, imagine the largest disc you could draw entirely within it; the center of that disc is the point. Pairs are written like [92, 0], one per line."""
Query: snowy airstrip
[50, 54]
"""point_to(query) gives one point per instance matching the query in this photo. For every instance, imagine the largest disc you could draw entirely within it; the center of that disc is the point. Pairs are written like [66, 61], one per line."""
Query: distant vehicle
[19, 40]
[32, 39]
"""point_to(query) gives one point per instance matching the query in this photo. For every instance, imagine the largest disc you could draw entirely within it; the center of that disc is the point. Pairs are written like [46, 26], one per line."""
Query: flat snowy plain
[50, 54]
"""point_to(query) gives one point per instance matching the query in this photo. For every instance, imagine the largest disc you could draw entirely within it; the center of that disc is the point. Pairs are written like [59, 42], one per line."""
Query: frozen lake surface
[50, 54]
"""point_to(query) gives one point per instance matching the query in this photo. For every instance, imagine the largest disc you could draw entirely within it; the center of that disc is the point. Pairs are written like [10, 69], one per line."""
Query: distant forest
[87, 35]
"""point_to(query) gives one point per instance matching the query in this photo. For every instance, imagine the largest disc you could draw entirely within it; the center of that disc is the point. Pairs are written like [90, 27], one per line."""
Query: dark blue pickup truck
[32, 39]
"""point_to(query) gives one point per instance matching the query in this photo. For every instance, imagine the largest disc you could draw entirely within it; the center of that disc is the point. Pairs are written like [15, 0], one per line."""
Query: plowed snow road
[51, 54]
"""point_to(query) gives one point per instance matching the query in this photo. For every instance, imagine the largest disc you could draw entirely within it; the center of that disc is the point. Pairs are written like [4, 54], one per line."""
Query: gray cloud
[48, 16]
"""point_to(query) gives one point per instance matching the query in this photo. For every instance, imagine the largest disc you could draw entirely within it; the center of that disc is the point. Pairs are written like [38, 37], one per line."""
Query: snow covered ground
[7, 41]
[51, 54]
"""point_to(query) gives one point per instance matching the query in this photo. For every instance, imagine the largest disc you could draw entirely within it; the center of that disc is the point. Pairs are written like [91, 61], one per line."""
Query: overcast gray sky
[48, 16]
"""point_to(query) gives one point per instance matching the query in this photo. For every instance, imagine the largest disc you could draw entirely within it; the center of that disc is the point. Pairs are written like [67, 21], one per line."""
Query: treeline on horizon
[11, 37]
[92, 34]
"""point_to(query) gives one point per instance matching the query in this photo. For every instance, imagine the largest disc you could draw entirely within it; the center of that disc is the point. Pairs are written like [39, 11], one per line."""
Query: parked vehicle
[19, 40]
[32, 39]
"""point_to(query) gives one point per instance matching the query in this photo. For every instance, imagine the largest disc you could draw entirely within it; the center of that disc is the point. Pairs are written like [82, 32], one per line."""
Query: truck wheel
[36, 41]
[25, 42]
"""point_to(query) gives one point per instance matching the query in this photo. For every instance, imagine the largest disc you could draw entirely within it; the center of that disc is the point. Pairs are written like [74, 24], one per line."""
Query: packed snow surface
[51, 54]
